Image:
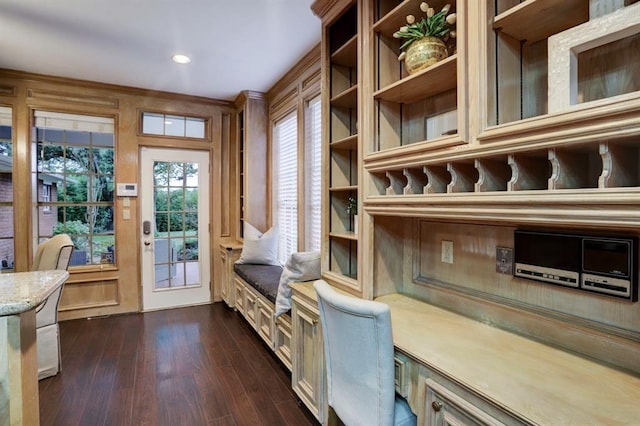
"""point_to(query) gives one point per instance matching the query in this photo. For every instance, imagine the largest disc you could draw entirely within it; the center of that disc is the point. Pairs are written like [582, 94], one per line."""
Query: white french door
[175, 228]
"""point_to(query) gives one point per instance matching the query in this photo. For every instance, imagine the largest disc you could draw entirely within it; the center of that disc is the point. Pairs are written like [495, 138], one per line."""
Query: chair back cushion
[358, 346]
[53, 253]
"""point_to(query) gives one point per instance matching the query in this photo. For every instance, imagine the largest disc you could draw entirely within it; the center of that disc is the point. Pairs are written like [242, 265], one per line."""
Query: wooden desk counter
[529, 380]
[20, 294]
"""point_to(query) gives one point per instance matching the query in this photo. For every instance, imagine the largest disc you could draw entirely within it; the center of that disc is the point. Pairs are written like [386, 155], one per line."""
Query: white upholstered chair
[53, 253]
[358, 346]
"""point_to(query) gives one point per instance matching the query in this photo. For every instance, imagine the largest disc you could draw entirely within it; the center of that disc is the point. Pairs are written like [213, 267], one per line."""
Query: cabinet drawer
[401, 370]
[443, 407]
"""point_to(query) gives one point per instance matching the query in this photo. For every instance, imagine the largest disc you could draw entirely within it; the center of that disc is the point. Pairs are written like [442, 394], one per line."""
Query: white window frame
[46, 197]
[286, 183]
[313, 174]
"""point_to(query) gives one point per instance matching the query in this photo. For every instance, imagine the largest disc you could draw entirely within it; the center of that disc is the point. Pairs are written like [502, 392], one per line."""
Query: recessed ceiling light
[181, 59]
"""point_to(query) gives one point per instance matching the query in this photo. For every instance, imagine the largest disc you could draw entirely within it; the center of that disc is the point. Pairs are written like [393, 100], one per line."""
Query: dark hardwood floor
[192, 366]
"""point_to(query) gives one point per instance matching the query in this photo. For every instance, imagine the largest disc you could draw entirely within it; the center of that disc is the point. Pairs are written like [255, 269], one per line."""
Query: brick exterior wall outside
[6, 220]
[47, 220]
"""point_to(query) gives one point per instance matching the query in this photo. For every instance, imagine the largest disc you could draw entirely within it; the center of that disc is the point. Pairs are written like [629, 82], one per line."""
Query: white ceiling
[234, 44]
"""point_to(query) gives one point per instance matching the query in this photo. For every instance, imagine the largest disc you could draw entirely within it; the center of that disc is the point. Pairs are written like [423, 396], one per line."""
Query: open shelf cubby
[341, 220]
[343, 259]
[549, 55]
[343, 168]
[342, 148]
[494, 174]
[529, 171]
[416, 108]
[427, 120]
[600, 165]
[438, 177]
[620, 164]
[397, 182]
[464, 175]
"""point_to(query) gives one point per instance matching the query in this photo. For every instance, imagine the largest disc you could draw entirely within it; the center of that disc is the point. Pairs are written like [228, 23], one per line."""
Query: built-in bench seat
[256, 288]
[264, 278]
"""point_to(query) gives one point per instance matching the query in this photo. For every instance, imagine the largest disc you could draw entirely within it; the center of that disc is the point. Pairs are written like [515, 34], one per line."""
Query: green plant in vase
[424, 40]
[352, 210]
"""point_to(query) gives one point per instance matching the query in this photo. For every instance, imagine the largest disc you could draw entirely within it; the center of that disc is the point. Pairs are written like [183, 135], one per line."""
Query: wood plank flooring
[192, 366]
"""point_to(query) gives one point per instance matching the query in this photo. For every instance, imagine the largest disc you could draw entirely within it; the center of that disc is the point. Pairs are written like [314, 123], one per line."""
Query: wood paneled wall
[407, 260]
[109, 289]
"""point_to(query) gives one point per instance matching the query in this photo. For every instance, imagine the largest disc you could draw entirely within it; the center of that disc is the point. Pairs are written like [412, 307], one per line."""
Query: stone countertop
[22, 291]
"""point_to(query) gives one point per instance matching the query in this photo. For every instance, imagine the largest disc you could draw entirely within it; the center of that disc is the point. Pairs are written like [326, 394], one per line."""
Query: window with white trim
[313, 175]
[285, 136]
[46, 197]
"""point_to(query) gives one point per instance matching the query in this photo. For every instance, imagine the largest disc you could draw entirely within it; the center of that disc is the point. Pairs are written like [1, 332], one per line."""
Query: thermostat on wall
[127, 190]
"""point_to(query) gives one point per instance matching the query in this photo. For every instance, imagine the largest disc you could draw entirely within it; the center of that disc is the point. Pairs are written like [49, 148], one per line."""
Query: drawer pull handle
[436, 405]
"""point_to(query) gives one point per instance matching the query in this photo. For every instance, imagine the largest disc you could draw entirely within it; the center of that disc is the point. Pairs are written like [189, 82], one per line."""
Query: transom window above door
[173, 125]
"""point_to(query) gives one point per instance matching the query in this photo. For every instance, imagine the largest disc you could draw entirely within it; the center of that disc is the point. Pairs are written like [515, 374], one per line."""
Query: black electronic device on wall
[602, 264]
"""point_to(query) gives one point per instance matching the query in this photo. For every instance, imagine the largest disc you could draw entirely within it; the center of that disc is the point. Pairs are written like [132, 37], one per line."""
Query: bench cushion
[301, 266]
[264, 278]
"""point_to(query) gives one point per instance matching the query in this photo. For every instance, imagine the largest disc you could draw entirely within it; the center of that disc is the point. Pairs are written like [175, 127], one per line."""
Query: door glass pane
[176, 174]
[190, 249]
[191, 222]
[191, 199]
[177, 199]
[192, 276]
[178, 279]
[176, 215]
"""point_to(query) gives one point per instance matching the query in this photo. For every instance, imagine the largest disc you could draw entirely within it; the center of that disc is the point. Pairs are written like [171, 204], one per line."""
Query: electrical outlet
[447, 251]
[504, 260]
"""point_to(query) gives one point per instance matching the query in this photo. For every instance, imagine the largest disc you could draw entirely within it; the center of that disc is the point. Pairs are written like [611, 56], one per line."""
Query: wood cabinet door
[307, 375]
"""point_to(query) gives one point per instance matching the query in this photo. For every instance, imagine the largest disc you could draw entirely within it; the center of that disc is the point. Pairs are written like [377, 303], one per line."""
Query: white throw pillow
[302, 266]
[259, 248]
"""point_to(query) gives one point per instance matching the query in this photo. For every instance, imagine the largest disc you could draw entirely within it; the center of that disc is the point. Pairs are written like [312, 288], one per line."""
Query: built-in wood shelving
[535, 20]
[394, 19]
[344, 235]
[347, 55]
[349, 143]
[342, 147]
[606, 167]
[434, 80]
[346, 99]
